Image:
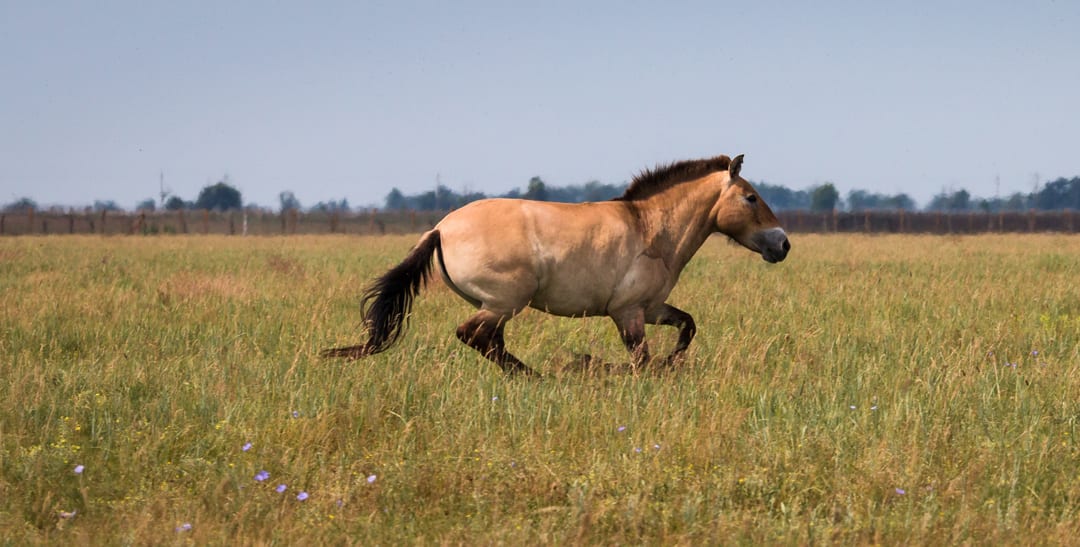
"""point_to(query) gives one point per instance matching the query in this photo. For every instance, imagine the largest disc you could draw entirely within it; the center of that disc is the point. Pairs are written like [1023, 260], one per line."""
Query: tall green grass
[869, 389]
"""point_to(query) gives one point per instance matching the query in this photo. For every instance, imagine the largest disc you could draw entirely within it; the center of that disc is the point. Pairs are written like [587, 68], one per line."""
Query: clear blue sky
[339, 100]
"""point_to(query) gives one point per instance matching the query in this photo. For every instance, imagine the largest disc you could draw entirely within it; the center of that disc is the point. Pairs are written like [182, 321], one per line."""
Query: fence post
[30, 221]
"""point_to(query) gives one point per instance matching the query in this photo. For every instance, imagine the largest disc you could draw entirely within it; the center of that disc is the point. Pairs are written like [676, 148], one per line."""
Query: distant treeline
[1056, 195]
[1060, 194]
[444, 198]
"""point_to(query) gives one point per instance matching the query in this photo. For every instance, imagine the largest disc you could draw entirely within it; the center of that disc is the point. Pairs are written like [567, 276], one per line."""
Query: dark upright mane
[651, 181]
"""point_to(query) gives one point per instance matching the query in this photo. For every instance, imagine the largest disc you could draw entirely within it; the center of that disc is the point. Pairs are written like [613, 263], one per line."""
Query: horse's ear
[736, 166]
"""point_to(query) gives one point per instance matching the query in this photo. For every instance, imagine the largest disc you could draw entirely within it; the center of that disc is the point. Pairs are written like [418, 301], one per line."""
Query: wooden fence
[399, 222]
[209, 222]
[909, 222]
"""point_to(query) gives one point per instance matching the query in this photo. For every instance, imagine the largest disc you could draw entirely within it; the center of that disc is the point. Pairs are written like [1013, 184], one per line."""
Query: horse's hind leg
[631, 327]
[484, 333]
[674, 317]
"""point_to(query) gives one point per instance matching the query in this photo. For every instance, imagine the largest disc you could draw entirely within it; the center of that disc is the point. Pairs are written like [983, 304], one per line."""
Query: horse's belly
[571, 299]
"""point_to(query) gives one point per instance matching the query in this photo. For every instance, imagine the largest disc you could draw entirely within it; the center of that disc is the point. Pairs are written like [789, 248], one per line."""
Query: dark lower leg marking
[674, 317]
[484, 333]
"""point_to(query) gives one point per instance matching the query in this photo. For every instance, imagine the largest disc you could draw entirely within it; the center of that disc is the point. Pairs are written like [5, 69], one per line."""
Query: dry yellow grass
[897, 389]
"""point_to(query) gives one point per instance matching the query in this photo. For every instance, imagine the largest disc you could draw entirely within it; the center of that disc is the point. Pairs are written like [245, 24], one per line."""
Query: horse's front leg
[631, 325]
[674, 317]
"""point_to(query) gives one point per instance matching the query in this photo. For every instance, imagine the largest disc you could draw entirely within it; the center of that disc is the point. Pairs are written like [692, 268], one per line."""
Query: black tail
[387, 302]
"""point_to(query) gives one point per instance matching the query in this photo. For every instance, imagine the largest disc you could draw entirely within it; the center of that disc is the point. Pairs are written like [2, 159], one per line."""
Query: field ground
[894, 389]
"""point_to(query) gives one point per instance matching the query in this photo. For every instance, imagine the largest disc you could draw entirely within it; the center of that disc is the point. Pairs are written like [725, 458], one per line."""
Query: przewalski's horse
[618, 258]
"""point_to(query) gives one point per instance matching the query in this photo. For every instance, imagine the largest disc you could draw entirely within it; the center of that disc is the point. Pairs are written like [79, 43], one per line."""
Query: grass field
[895, 389]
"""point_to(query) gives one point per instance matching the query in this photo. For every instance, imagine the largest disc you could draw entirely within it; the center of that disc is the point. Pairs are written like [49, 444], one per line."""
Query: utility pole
[438, 183]
[161, 187]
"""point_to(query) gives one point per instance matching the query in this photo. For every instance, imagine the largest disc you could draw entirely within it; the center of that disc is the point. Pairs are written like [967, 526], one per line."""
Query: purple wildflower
[901, 491]
[79, 469]
[281, 488]
[621, 428]
[246, 447]
[371, 479]
[184, 527]
[302, 496]
[262, 475]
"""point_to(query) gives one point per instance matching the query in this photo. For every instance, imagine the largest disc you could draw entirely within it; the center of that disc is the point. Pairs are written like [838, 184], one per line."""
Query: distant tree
[21, 205]
[106, 205]
[780, 198]
[1059, 194]
[824, 198]
[1017, 202]
[469, 197]
[395, 200]
[861, 200]
[900, 201]
[288, 200]
[537, 190]
[425, 202]
[219, 197]
[147, 204]
[594, 190]
[959, 200]
[331, 206]
[577, 193]
[176, 203]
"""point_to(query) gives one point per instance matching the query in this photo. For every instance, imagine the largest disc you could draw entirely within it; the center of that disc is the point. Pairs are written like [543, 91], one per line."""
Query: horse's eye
[751, 198]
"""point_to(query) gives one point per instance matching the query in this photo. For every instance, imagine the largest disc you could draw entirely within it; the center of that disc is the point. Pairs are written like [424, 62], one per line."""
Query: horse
[619, 258]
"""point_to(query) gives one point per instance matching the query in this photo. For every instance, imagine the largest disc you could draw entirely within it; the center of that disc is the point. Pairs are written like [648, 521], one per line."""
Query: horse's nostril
[786, 246]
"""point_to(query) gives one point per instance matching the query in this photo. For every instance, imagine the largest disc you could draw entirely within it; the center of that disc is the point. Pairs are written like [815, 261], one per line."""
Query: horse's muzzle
[773, 244]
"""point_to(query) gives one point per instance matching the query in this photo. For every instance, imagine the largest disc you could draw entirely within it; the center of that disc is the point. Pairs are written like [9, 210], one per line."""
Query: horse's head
[742, 215]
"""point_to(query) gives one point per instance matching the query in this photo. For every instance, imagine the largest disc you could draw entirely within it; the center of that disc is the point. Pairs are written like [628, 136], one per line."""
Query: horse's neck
[677, 223]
